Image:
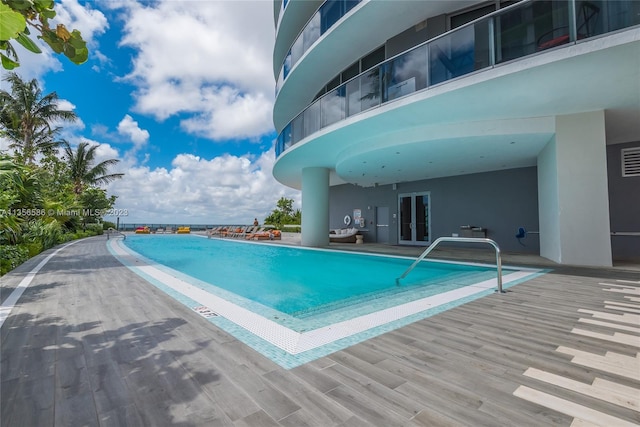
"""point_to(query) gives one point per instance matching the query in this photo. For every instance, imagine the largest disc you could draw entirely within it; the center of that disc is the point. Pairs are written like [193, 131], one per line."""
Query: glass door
[414, 218]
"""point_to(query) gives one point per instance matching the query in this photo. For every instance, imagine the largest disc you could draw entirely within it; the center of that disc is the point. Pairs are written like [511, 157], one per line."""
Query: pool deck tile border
[288, 347]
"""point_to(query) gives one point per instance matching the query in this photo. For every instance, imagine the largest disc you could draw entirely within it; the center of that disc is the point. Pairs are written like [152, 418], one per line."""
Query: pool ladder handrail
[111, 231]
[459, 239]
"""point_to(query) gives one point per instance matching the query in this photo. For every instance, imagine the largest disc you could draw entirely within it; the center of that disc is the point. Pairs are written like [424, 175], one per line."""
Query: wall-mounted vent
[630, 161]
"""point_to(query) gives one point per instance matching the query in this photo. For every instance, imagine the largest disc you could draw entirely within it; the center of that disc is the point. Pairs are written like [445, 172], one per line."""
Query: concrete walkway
[91, 343]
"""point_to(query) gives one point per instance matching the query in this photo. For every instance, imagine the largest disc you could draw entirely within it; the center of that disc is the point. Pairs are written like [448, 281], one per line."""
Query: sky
[181, 92]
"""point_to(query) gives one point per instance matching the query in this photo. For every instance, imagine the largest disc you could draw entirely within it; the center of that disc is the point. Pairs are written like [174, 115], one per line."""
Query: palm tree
[82, 170]
[20, 189]
[26, 117]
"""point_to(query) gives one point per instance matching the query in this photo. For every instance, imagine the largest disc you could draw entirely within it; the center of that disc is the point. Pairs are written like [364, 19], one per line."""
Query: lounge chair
[213, 232]
[250, 236]
[265, 235]
[238, 231]
[247, 230]
[143, 230]
[184, 230]
[228, 231]
[343, 235]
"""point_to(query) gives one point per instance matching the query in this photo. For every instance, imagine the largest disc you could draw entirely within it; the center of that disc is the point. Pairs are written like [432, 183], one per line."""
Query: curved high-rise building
[414, 120]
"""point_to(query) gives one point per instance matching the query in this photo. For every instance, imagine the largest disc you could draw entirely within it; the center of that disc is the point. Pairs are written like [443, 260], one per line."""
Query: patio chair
[228, 231]
[212, 232]
[247, 230]
[250, 236]
[346, 235]
[558, 36]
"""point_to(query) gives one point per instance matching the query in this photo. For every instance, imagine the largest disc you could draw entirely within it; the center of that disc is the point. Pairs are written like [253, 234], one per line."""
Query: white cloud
[69, 129]
[34, 66]
[129, 128]
[207, 63]
[90, 22]
[105, 152]
[65, 104]
[231, 115]
[209, 59]
[224, 190]
[100, 58]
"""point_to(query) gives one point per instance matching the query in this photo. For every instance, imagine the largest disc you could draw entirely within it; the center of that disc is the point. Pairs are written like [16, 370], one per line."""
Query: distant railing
[517, 31]
[174, 226]
[153, 227]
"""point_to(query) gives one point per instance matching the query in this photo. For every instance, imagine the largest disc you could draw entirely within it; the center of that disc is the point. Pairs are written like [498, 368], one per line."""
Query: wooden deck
[91, 343]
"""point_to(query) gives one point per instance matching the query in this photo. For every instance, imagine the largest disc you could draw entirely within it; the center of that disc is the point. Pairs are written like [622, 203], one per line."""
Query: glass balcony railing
[325, 17]
[522, 29]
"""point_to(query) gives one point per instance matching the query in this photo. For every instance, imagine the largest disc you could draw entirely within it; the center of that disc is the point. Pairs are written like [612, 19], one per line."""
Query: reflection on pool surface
[299, 281]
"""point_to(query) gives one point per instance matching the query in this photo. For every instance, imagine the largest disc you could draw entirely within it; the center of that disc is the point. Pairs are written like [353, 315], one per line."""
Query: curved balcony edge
[499, 38]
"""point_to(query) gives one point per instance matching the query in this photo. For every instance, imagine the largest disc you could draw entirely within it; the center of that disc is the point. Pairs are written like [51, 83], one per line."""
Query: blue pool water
[301, 282]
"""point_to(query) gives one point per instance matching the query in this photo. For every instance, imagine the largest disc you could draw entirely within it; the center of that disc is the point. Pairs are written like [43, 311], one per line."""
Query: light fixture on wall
[394, 186]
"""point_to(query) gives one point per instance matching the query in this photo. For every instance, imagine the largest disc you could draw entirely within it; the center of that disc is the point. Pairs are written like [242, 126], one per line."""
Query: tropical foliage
[27, 116]
[48, 197]
[283, 214]
[83, 171]
[19, 17]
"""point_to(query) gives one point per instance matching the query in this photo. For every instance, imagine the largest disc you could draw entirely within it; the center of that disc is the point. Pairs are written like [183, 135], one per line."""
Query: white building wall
[548, 202]
[573, 192]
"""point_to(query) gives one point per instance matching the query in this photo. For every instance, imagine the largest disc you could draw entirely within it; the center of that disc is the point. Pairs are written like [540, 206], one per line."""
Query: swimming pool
[296, 304]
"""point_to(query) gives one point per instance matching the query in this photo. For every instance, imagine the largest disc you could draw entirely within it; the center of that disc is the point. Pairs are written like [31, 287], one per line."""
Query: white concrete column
[315, 207]
[573, 196]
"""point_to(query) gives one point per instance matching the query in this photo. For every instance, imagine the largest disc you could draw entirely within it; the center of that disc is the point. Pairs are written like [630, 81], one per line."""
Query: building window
[471, 15]
[630, 161]
[373, 59]
[351, 72]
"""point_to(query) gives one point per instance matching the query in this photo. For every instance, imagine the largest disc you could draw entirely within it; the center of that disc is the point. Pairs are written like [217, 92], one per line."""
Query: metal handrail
[111, 231]
[459, 239]
[625, 233]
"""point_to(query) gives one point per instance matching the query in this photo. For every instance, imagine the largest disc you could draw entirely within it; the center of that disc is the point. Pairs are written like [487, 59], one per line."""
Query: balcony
[521, 30]
[327, 15]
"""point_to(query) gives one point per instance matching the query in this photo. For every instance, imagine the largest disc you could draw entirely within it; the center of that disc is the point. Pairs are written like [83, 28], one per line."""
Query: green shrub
[39, 236]
[96, 229]
[81, 235]
[65, 237]
[12, 256]
[33, 248]
[52, 235]
[46, 234]
[107, 225]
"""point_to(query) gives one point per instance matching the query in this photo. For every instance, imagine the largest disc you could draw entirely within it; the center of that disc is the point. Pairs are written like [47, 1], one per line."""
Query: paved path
[91, 343]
